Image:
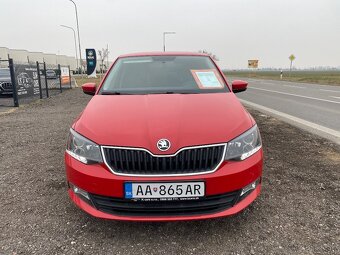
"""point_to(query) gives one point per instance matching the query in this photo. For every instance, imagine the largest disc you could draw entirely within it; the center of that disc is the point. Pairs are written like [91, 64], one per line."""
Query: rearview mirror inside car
[239, 86]
[89, 88]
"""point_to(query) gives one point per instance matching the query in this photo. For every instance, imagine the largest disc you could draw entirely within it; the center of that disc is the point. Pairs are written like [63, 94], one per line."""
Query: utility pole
[75, 43]
[80, 59]
[107, 57]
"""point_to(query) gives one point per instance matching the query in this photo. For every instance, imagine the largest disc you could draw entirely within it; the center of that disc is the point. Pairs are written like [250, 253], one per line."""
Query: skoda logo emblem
[163, 144]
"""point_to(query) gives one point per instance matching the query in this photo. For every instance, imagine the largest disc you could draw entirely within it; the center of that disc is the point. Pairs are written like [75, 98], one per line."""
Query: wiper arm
[114, 93]
[165, 92]
[179, 92]
[173, 92]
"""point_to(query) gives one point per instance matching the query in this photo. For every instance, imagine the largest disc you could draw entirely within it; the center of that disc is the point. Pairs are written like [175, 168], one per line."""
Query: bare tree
[213, 56]
[103, 54]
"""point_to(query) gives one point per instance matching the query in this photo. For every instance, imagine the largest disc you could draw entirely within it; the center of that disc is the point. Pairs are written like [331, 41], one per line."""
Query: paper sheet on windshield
[207, 79]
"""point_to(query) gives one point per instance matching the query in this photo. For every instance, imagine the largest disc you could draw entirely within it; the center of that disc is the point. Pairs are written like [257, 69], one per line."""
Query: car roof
[162, 53]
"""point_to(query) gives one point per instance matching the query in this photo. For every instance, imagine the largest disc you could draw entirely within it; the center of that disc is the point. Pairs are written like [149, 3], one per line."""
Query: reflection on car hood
[184, 119]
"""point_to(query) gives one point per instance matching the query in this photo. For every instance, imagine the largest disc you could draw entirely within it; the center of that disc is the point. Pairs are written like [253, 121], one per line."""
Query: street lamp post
[80, 59]
[75, 43]
[166, 33]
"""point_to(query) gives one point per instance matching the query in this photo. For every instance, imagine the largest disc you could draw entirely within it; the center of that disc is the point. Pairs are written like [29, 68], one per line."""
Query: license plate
[164, 191]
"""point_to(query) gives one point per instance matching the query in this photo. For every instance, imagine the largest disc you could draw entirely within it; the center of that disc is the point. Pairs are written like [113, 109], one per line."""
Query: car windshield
[4, 73]
[163, 74]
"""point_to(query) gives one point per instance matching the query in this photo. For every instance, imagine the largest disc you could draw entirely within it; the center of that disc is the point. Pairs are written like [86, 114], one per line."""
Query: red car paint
[183, 119]
[186, 120]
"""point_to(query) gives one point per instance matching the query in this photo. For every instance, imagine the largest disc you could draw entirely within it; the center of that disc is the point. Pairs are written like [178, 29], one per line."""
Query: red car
[164, 138]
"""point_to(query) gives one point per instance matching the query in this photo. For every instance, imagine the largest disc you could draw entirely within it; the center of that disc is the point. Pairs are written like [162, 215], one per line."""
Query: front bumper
[231, 176]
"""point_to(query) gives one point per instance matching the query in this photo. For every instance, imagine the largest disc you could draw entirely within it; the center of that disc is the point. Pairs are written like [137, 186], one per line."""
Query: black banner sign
[91, 61]
[27, 80]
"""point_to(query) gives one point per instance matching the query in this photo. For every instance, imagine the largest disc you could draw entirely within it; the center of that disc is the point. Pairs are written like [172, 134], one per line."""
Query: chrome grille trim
[162, 156]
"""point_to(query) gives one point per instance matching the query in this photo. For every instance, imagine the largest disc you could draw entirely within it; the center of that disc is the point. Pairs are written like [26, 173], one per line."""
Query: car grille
[188, 161]
[126, 207]
[6, 85]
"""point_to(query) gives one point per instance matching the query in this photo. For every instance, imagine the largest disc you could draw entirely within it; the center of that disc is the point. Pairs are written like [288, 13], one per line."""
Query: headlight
[83, 149]
[245, 145]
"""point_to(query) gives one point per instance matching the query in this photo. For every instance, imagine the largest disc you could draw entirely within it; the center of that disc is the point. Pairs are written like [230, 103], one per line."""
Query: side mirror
[89, 88]
[239, 86]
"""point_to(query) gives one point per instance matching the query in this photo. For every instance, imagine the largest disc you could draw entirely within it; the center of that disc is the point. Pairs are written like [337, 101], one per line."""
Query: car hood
[183, 119]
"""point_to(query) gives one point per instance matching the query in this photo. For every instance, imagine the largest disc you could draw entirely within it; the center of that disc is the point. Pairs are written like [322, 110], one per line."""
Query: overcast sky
[234, 30]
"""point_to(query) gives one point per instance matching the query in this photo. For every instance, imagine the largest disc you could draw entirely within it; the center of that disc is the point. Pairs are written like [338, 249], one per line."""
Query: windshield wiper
[114, 93]
[184, 92]
[175, 92]
[162, 92]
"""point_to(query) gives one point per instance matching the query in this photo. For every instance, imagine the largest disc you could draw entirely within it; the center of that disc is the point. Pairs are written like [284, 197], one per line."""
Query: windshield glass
[163, 74]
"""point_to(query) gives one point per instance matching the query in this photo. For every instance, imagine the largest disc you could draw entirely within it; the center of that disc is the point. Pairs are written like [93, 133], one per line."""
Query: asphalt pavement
[310, 106]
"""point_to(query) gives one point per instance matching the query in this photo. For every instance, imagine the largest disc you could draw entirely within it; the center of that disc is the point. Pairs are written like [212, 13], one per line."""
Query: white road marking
[335, 97]
[328, 90]
[289, 94]
[292, 86]
[329, 133]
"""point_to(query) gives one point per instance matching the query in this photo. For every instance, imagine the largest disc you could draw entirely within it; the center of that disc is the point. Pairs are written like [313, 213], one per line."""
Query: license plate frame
[129, 192]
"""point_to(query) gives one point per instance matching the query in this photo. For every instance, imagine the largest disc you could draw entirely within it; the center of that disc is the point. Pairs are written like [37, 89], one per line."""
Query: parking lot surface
[297, 212]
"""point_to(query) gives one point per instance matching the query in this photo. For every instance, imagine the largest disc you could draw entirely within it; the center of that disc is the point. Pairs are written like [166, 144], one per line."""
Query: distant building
[23, 56]
[20, 56]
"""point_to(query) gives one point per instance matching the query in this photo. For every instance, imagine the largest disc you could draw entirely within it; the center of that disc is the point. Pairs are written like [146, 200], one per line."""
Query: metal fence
[23, 83]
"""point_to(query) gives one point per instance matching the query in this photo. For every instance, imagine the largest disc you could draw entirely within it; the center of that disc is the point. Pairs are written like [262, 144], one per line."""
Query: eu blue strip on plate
[128, 190]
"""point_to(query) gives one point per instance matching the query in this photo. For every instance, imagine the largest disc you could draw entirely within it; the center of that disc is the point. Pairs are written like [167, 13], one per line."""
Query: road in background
[317, 107]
